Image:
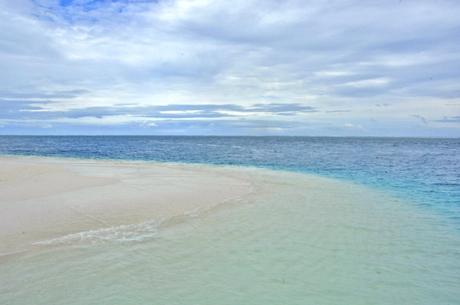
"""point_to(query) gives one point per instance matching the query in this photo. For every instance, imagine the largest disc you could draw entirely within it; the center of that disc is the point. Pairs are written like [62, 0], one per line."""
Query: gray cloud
[450, 119]
[26, 110]
[42, 95]
[421, 118]
[338, 111]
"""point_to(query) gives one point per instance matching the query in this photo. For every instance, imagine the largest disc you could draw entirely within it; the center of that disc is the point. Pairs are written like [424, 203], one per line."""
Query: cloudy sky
[240, 67]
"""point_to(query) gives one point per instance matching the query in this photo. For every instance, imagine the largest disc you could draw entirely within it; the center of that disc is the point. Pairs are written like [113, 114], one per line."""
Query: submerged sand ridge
[43, 198]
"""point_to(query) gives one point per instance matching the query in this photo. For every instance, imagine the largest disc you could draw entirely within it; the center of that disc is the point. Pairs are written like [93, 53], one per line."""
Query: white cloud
[372, 82]
[143, 53]
[333, 73]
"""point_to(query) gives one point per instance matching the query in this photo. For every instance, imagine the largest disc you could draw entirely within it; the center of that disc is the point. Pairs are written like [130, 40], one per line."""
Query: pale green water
[313, 242]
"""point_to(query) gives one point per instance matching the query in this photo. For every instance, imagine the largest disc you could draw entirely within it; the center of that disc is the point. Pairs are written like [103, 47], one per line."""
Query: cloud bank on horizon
[259, 67]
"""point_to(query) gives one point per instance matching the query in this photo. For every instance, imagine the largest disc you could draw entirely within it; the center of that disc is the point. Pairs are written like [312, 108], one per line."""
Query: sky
[240, 67]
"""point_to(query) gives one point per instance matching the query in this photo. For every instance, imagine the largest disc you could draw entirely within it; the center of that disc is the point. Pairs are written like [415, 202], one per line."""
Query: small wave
[124, 233]
[446, 184]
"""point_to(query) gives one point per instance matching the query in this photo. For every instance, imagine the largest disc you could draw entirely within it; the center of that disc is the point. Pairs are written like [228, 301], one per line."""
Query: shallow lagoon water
[313, 241]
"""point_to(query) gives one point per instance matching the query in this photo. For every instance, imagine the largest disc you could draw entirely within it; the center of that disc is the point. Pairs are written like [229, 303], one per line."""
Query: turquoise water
[426, 171]
[306, 240]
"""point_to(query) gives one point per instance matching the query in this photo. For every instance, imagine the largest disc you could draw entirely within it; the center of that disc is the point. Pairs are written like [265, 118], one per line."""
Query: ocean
[380, 226]
[427, 171]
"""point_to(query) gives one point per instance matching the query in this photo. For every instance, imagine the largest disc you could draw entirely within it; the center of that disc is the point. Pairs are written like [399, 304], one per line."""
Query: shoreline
[245, 227]
[49, 201]
[47, 198]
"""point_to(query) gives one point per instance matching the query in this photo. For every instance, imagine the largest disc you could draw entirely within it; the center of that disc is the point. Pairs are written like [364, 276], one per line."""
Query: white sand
[43, 198]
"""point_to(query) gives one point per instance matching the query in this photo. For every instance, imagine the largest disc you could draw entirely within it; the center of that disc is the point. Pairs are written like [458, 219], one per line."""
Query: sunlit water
[313, 241]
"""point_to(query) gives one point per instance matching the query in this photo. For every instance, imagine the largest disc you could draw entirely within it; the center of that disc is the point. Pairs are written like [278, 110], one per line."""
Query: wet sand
[43, 198]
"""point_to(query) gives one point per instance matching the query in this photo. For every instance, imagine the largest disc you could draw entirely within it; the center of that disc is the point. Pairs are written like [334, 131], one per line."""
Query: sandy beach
[43, 198]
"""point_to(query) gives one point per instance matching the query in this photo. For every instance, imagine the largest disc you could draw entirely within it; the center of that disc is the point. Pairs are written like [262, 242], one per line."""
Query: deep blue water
[425, 170]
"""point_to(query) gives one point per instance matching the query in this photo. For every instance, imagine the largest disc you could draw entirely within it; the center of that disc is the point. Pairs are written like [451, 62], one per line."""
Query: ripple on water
[312, 241]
